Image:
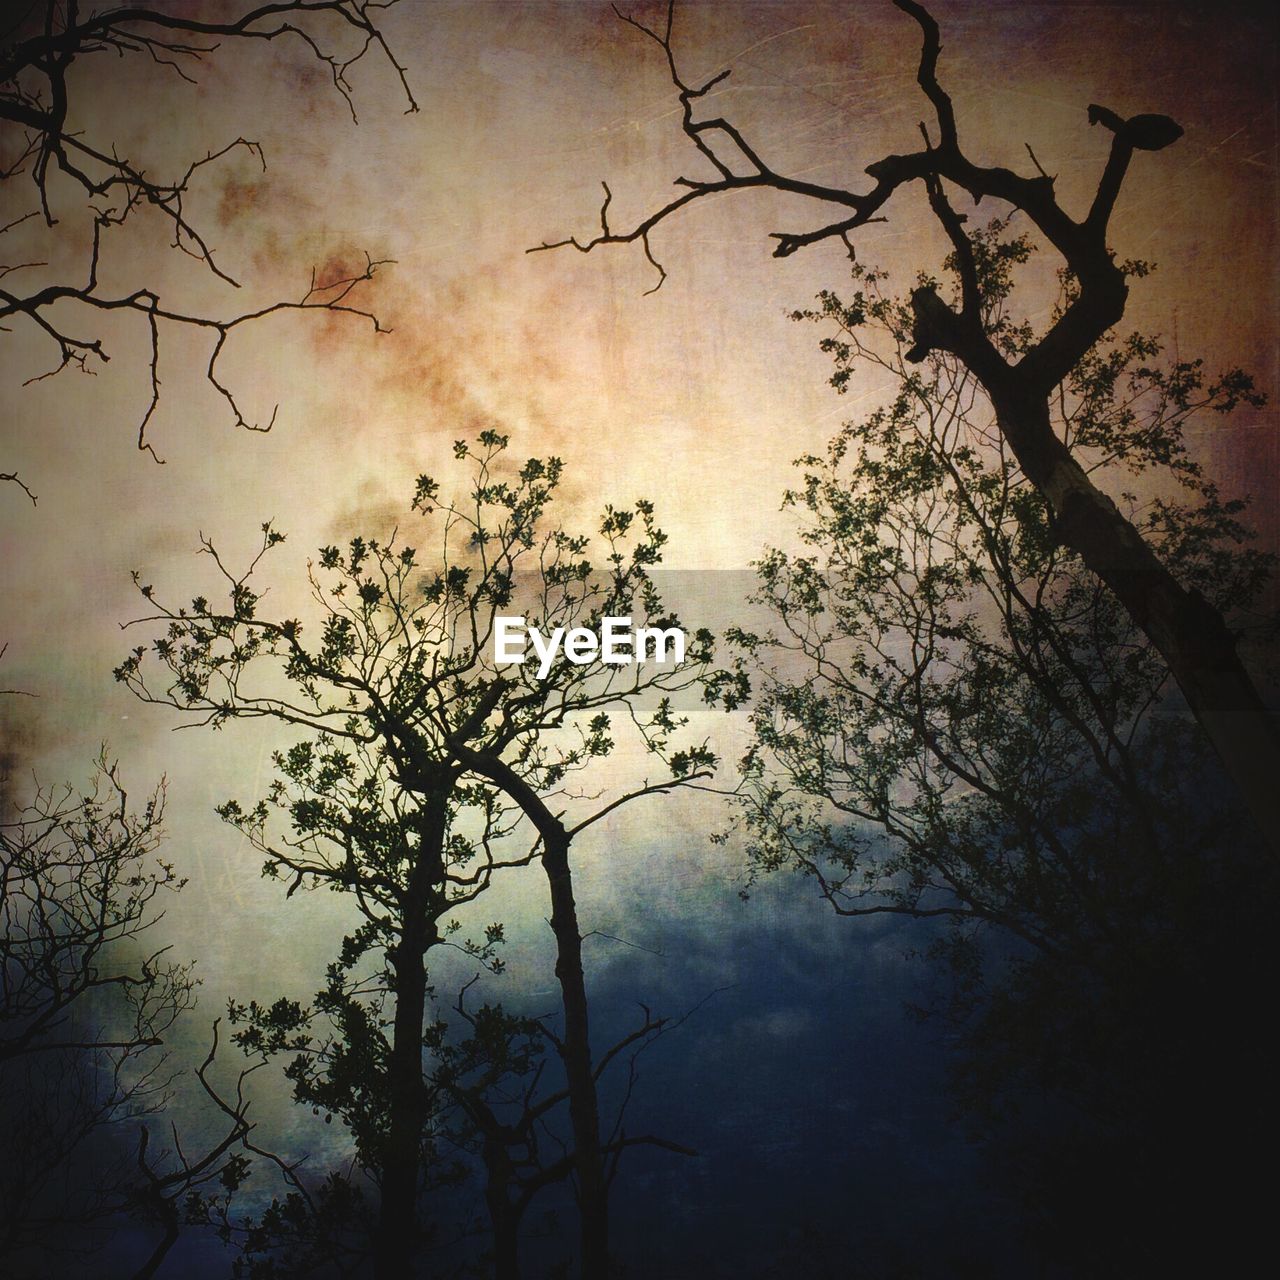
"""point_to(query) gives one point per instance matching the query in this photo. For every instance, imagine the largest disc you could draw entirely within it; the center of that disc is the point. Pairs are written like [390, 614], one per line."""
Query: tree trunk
[402, 1160]
[400, 1168]
[583, 1107]
[171, 1231]
[1184, 628]
[584, 1113]
[505, 1220]
[504, 1215]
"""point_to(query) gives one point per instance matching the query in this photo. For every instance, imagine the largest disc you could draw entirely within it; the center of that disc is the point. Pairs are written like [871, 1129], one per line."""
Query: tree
[85, 1011]
[83, 1014]
[1185, 629]
[954, 721]
[423, 763]
[75, 173]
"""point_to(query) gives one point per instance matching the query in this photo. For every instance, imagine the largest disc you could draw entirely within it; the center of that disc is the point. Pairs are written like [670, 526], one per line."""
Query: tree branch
[36, 101]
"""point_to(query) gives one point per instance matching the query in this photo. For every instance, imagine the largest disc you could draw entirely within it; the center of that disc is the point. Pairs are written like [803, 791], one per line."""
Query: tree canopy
[425, 769]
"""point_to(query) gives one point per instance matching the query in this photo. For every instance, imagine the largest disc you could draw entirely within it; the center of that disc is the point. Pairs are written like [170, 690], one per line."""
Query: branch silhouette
[39, 107]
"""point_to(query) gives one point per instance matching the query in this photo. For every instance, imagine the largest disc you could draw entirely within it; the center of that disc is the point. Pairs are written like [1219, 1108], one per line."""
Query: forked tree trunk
[1187, 631]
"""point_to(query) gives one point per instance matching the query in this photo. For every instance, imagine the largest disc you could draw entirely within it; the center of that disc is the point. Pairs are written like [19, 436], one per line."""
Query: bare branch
[35, 104]
[1082, 245]
[13, 477]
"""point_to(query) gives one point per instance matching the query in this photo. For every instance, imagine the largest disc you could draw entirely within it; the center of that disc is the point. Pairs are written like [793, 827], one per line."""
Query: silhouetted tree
[51, 136]
[86, 1010]
[954, 720]
[84, 1006]
[426, 768]
[1020, 385]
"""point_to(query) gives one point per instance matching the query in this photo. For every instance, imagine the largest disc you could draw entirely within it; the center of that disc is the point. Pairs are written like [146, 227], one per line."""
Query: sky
[698, 396]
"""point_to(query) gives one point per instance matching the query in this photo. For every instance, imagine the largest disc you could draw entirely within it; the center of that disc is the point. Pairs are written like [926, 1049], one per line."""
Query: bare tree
[80, 879]
[1188, 632]
[85, 1004]
[44, 139]
[428, 766]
